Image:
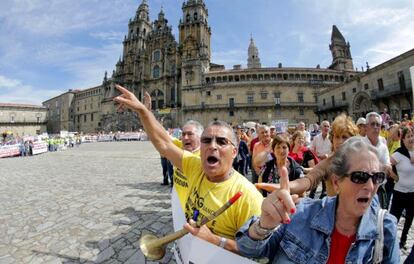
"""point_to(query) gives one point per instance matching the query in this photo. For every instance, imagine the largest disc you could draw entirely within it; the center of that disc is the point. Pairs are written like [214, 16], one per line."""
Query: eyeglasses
[221, 141]
[361, 177]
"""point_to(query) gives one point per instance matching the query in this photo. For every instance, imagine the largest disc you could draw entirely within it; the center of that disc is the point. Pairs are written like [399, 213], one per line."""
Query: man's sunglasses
[221, 141]
[361, 177]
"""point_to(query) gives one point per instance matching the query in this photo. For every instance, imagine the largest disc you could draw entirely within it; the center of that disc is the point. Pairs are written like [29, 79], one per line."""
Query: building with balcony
[388, 85]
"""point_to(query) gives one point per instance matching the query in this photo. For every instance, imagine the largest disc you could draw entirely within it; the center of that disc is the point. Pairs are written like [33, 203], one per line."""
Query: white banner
[190, 249]
[39, 147]
[9, 150]
[281, 125]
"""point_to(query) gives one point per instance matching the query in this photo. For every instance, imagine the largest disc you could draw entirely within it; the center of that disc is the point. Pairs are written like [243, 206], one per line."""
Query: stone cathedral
[185, 84]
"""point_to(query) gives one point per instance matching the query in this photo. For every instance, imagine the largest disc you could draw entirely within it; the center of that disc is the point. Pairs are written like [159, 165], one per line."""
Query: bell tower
[253, 60]
[341, 52]
[194, 42]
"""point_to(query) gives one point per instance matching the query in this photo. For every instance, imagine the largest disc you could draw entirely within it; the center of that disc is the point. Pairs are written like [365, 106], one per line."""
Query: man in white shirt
[373, 127]
[321, 144]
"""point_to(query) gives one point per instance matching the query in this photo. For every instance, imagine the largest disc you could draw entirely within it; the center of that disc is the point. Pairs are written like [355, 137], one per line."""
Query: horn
[153, 247]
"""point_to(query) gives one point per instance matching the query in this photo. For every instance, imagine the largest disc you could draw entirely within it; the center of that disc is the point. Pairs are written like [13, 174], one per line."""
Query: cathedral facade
[185, 84]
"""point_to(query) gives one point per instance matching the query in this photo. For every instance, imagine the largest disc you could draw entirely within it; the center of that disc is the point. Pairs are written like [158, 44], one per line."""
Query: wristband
[223, 242]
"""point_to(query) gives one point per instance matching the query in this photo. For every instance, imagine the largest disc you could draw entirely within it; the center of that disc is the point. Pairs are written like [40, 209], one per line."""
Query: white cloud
[15, 91]
[109, 36]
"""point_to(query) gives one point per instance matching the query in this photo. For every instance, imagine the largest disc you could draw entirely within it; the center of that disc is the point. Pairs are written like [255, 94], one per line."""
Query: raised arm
[155, 131]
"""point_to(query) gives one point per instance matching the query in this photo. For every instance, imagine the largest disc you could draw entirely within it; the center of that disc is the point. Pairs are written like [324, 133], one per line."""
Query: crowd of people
[366, 168]
[29, 145]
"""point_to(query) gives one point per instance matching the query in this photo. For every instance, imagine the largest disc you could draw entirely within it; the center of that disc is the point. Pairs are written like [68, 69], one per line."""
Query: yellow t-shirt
[180, 180]
[393, 147]
[208, 197]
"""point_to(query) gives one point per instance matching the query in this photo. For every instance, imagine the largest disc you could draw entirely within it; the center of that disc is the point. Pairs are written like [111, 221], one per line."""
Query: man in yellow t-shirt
[211, 177]
[207, 197]
[190, 141]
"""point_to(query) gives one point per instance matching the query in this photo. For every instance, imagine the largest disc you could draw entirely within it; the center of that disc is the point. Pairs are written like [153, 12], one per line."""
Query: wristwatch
[262, 231]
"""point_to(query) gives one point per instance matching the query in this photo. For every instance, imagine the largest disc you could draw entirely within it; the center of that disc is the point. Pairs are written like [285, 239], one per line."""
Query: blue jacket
[307, 238]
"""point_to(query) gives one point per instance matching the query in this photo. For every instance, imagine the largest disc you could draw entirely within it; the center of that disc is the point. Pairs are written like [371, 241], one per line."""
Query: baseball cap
[361, 121]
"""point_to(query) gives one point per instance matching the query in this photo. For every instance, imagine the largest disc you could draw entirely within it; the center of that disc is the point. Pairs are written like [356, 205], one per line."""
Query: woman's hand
[278, 205]
[129, 100]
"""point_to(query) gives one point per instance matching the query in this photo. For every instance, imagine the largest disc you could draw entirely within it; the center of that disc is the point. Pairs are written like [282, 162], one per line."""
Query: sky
[50, 46]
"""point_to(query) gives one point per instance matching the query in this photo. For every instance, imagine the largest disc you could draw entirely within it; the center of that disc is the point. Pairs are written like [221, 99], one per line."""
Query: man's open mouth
[211, 160]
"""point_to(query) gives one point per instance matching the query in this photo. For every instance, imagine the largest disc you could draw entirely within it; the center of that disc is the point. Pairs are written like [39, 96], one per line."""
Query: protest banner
[281, 125]
[39, 147]
[9, 150]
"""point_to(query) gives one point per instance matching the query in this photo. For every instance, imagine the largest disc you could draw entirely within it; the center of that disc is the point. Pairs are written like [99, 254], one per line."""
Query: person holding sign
[340, 229]
[212, 181]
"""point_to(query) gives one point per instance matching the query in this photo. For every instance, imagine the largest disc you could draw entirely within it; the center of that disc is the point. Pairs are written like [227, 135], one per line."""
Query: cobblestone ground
[85, 205]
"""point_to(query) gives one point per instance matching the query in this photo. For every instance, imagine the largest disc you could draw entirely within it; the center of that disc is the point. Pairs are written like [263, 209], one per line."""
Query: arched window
[157, 55]
[156, 72]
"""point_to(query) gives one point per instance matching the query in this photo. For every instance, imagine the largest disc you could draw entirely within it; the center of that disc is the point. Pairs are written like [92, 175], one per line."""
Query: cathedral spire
[253, 60]
[341, 52]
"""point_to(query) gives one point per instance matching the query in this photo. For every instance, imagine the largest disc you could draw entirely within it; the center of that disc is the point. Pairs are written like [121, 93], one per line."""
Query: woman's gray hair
[220, 123]
[199, 127]
[340, 161]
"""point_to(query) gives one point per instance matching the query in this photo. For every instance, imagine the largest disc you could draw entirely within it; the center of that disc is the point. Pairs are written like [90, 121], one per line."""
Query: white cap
[361, 121]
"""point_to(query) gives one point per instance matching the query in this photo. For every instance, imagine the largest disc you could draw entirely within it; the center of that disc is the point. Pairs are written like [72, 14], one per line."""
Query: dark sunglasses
[361, 177]
[221, 141]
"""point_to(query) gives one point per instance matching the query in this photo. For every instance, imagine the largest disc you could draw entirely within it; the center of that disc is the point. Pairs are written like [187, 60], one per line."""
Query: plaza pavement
[85, 205]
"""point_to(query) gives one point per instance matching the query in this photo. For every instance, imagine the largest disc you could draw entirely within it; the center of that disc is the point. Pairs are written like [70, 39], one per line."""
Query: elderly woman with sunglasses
[339, 229]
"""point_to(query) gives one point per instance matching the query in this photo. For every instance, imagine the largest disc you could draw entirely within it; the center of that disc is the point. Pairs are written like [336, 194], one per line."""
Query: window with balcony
[277, 98]
[231, 102]
[380, 84]
[401, 80]
[300, 97]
